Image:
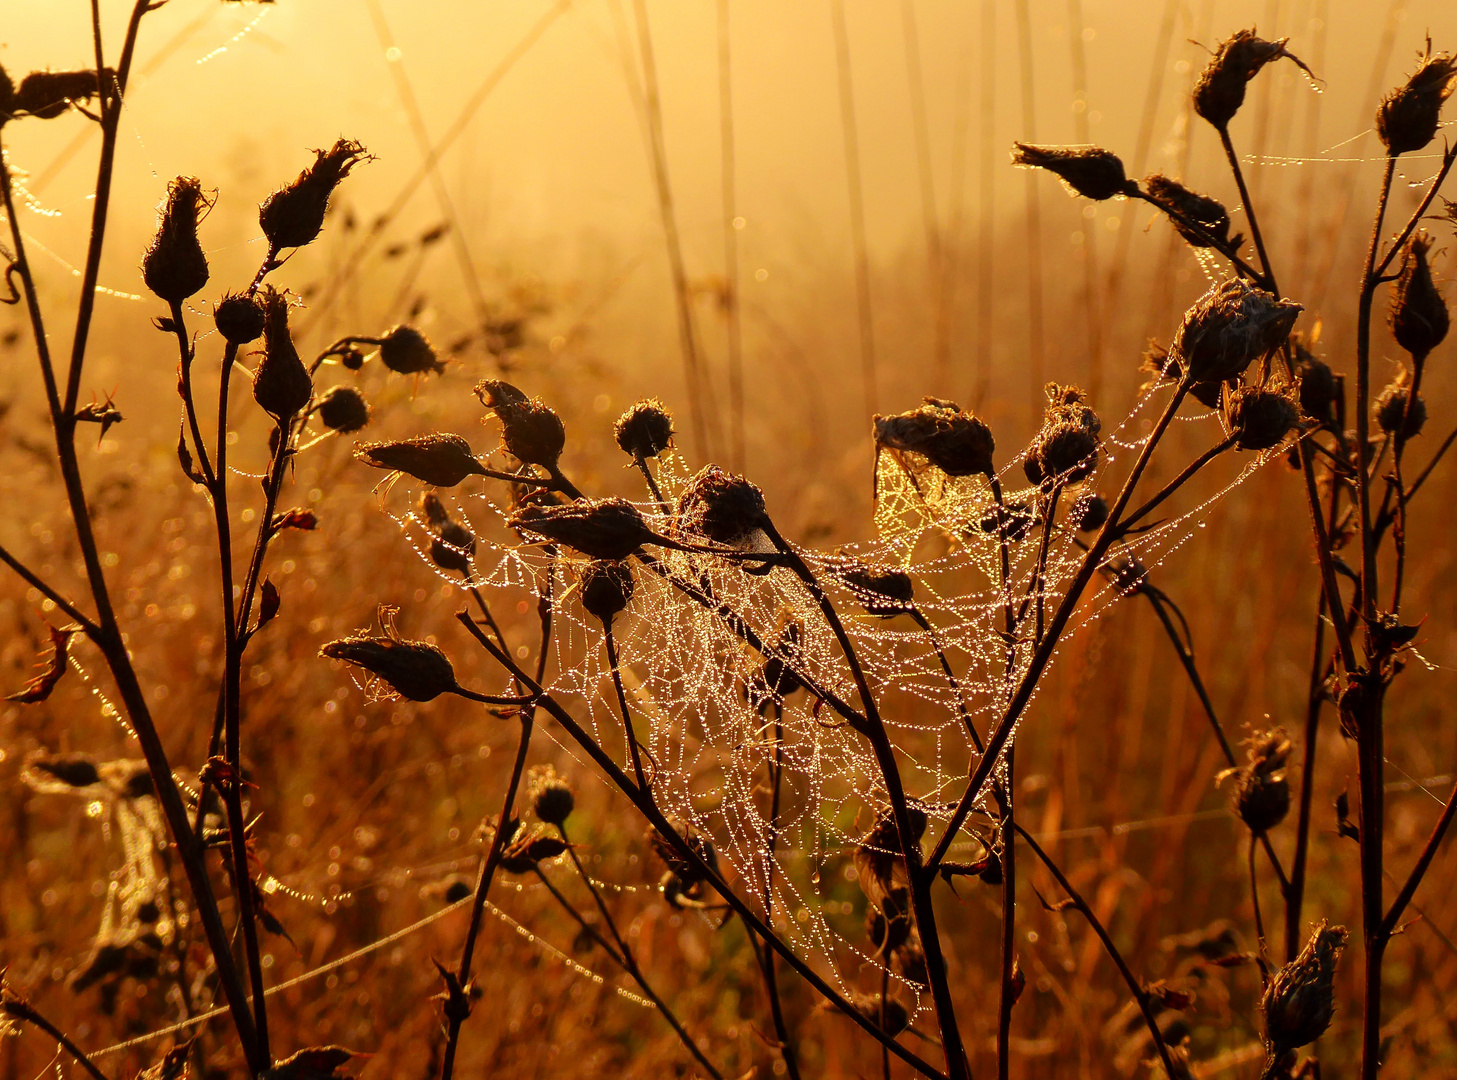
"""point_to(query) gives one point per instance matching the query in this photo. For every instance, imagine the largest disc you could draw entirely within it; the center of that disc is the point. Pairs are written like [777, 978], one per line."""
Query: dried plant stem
[1419, 871]
[766, 956]
[1139, 994]
[1179, 481]
[1437, 457]
[655, 817]
[1259, 919]
[48, 591]
[18, 1009]
[940, 651]
[1244, 196]
[634, 752]
[1006, 991]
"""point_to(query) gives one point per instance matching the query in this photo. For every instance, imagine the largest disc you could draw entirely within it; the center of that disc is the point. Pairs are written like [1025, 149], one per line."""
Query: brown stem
[632, 744]
[1419, 871]
[18, 1009]
[1179, 481]
[1006, 991]
[939, 649]
[1244, 196]
[48, 591]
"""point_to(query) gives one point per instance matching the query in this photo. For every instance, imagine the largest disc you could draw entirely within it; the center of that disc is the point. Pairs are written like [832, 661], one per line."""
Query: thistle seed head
[950, 438]
[1262, 793]
[292, 216]
[239, 318]
[610, 529]
[606, 588]
[408, 352]
[1228, 328]
[1391, 409]
[1220, 91]
[1258, 418]
[645, 430]
[439, 459]
[720, 506]
[174, 266]
[884, 591]
[1066, 449]
[1408, 117]
[1419, 319]
[1090, 512]
[452, 544]
[531, 431]
[551, 797]
[1208, 215]
[343, 409]
[281, 383]
[1299, 1002]
[412, 669]
[1318, 386]
[1088, 171]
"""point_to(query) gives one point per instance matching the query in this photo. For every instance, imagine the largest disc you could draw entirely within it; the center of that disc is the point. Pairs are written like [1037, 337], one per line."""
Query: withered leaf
[52, 668]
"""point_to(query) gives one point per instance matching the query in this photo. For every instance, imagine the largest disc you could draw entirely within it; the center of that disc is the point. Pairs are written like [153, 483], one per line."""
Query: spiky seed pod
[292, 216]
[1220, 91]
[1208, 215]
[1262, 792]
[531, 431]
[645, 430]
[413, 669]
[950, 438]
[343, 409]
[606, 588]
[239, 318]
[1391, 408]
[1299, 1002]
[408, 352]
[720, 506]
[1090, 512]
[440, 459]
[281, 383]
[452, 544]
[1318, 387]
[610, 529]
[1259, 419]
[1407, 118]
[1088, 171]
[45, 94]
[884, 591]
[551, 797]
[1066, 449]
[1228, 328]
[1419, 319]
[174, 266]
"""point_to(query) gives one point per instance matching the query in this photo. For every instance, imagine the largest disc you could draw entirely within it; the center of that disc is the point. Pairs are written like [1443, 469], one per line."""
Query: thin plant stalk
[1006, 990]
[18, 1009]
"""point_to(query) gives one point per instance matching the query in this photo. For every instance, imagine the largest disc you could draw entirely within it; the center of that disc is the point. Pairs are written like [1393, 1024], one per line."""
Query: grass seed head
[1088, 171]
[343, 409]
[1220, 91]
[174, 266]
[1228, 328]
[293, 216]
[439, 459]
[531, 431]
[610, 529]
[1299, 1002]
[1419, 319]
[1259, 418]
[1209, 215]
[406, 351]
[606, 588]
[950, 438]
[645, 430]
[1391, 409]
[1408, 117]
[239, 318]
[721, 506]
[281, 383]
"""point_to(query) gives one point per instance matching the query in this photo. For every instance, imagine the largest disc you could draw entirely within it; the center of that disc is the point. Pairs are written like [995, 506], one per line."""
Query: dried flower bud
[606, 588]
[281, 383]
[439, 459]
[1128, 574]
[1086, 170]
[1262, 794]
[528, 848]
[884, 591]
[413, 669]
[352, 357]
[1259, 419]
[239, 318]
[1208, 216]
[1090, 512]
[1418, 313]
[645, 430]
[775, 679]
[951, 439]
[890, 1016]
[609, 529]
[530, 430]
[46, 771]
[407, 351]
[687, 872]
[1407, 118]
[1160, 363]
[1299, 1002]
[723, 507]
[174, 266]
[45, 94]
[1066, 449]
[551, 797]
[343, 409]
[1228, 328]
[1318, 386]
[452, 544]
[1220, 90]
[292, 216]
[1017, 518]
[1391, 409]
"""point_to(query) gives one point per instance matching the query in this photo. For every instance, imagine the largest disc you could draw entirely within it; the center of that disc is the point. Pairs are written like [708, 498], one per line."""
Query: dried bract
[1408, 117]
[1392, 409]
[1208, 217]
[1088, 171]
[174, 266]
[609, 529]
[1228, 328]
[1419, 319]
[1299, 1002]
[413, 669]
[408, 352]
[343, 409]
[645, 430]
[1220, 90]
[281, 383]
[950, 438]
[239, 318]
[440, 459]
[292, 216]
[720, 506]
[531, 431]
[1258, 418]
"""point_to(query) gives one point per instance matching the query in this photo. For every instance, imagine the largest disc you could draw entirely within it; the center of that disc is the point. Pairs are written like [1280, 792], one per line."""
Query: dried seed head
[879, 866]
[645, 430]
[174, 266]
[551, 797]
[687, 872]
[950, 438]
[1220, 90]
[1086, 170]
[1419, 318]
[1066, 449]
[1262, 794]
[1210, 218]
[1228, 328]
[50, 771]
[610, 529]
[1299, 1002]
[723, 507]
[894, 1020]
[1318, 387]
[1391, 409]
[439, 459]
[1090, 512]
[1407, 118]
[352, 357]
[531, 431]
[775, 679]
[883, 590]
[452, 544]
[1017, 518]
[413, 669]
[281, 383]
[1128, 574]
[606, 588]
[292, 216]
[1161, 364]
[343, 409]
[45, 94]
[239, 318]
[528, 848]
[407, 351]
[1259, 419]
